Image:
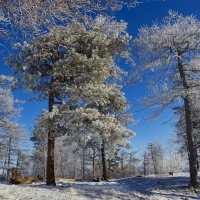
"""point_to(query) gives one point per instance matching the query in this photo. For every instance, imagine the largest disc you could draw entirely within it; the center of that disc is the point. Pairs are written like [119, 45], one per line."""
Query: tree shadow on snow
[90, 190]
[164, 186]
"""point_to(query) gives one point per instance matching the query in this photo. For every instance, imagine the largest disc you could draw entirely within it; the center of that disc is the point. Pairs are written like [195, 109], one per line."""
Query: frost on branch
[170, 52]
[82, 63]
[75, 68]
[70, 57]
[11, 132]
[34, 17]
[7, 109]
[159, 46]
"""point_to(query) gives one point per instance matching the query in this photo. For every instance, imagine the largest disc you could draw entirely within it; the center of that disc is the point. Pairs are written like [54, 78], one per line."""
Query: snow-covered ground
[152, 188]
[163, 187]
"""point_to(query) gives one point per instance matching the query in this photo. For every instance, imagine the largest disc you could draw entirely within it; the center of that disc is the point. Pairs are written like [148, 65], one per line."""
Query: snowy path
[152, 188]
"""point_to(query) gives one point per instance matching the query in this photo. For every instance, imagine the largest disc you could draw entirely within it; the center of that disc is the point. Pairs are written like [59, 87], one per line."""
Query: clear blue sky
[147, 131]
[145, 14]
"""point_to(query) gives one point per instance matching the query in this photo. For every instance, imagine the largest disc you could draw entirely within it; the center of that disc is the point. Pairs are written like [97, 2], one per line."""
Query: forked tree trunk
[50, 175]
[188, 119]
[104, 162]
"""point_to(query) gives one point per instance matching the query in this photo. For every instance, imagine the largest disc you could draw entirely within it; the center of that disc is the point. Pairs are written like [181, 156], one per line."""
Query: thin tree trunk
[109, 169]
[4, 167]
[122, 166]
[50, 176]
[44, 163]
[44, 172]
[61, 167]
[188, 118]
[9, 155]
[17, 162]
[75, 166]
[145, 163]
[144, 166]
[83, 163]
[153, 160]
[94, 164]
[100, 168]
[104, 163]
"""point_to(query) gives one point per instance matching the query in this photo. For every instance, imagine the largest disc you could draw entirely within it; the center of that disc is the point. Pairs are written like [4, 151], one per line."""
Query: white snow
[148, 188]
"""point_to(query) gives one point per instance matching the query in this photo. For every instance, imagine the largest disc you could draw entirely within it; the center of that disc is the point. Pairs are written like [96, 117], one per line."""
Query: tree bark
[109, 169]
[50, 174]
[94, 164]
[104, 163]
[83, 162]
[191, 146]
[188, 118]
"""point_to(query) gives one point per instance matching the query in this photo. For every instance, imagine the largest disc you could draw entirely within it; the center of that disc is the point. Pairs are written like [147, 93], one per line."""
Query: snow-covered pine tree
[36, 16]
[101, 103]
[168, 49]
[70, 66]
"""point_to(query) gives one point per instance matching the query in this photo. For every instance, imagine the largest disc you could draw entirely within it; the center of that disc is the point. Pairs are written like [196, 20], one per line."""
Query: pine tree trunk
[191, 146]
[61, 167]
[50, 174]
[75, 166]
[188, 118]
[44, 172]
[197, 161]
[109, 169]
[83, 163]
[104, 163]
[94, 164]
